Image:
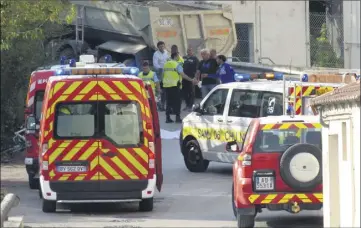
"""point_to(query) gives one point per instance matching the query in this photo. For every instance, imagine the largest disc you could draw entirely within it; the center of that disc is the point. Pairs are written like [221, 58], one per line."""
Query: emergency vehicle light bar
[99, 70]
[250, 77]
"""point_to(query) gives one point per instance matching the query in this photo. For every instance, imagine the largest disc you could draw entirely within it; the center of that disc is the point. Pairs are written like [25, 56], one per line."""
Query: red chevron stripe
[58, 93]
[105, 173]
[115, 167]
[83, 150]
[92, 172]
[140, 160]
[122, 95]
[77, 91]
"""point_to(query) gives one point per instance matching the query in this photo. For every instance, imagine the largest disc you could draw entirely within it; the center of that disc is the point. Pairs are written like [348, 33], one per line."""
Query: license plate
[71, 169]
[264, 183]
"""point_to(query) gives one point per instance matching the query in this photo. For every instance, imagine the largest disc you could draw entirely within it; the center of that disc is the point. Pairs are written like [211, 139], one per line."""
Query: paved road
[187, 200]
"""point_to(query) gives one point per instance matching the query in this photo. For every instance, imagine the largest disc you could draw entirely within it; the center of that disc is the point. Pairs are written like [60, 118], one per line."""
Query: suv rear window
[279, 140]
[119, 122]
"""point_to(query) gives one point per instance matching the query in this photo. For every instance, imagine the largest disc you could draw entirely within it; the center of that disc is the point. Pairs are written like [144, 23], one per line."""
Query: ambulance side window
[215, 103]
[75, 120]
[245, 103]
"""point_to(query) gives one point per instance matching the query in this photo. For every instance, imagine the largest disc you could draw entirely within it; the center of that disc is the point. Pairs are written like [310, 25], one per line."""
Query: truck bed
[195, 24]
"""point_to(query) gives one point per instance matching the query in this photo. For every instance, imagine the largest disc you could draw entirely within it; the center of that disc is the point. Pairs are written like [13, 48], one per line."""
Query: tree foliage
[26, 25]
[24, 19]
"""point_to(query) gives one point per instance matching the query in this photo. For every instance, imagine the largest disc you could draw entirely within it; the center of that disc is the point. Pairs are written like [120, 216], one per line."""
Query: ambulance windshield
[279, 140]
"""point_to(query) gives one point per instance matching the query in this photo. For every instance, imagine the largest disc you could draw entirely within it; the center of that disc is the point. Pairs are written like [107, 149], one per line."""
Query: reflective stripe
[171, 76]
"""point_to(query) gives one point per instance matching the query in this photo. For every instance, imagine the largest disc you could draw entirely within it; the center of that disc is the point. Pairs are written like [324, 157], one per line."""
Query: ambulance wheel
[49, 206]
[193, 158]
[146, 205]
[33, 182]
[245, 221]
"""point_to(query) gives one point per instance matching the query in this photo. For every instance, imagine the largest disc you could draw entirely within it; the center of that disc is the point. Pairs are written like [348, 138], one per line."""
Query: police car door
[212, 122]
[244, 106]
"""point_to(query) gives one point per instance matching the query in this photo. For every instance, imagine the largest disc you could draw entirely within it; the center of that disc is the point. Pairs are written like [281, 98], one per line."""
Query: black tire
[68, 52]
[33, 182]
[245, 221]
[233, 205]
[49, 206]
[285, 167]
[193, 158]
[146, 205]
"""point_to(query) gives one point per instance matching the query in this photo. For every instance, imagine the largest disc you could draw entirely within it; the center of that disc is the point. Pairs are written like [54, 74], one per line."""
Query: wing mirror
[30, 123]
[197, 108]
[232, 147]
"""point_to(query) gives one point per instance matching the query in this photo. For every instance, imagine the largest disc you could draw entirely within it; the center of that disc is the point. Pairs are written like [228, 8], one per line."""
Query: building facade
[340, 116]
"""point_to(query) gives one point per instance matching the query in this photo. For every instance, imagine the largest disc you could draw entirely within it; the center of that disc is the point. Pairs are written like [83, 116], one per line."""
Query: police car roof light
[87, 59]
[242, 77]
[272, 76]
[130, 70]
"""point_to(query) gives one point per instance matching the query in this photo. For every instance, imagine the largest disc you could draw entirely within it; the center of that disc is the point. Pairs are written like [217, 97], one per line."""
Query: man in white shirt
[160, 57]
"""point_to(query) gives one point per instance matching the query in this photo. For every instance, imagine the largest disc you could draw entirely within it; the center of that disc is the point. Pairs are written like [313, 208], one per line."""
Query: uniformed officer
[172, 79]
[149, 76]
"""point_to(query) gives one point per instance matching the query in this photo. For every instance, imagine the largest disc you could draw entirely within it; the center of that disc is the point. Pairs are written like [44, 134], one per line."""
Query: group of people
[176, 77]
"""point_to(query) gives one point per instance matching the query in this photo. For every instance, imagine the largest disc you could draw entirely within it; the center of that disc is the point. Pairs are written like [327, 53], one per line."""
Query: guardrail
[10, 201]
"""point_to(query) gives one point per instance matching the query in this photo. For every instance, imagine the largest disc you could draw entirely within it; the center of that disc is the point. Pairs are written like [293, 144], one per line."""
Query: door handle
[229, 121]
[109, 154]
[220, 120]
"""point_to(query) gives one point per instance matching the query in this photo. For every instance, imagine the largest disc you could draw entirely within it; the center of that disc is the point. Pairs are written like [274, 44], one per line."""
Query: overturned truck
[130, 30]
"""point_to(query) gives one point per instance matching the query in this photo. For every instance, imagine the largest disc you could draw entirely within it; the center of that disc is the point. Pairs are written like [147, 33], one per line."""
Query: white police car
[225, 113]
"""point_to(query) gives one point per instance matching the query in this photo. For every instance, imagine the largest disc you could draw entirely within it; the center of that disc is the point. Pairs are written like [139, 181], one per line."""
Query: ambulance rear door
[124, 137]
[157, 136]
[70, 130]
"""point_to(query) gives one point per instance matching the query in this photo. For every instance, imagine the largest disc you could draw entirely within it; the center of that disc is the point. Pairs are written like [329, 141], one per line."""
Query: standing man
[159, 59]
[213, 53]
[207, 66]
[173, 74]
[149, 76]
[190, 68]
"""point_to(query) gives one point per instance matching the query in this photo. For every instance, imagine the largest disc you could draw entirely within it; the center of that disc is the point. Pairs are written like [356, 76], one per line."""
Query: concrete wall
[351, 25]
[341, 167]
[281, 29]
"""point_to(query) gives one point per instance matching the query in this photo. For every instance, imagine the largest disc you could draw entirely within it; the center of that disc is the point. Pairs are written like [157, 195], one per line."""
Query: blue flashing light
[242, 77]
[62, 71]
[130, 70]
[278, 76]
[304, 78]
[108, 58]
[72, 63]
[62, 60]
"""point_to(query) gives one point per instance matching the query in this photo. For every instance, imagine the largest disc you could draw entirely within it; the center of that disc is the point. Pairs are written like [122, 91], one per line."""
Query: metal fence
[326, 40]
[325, 47]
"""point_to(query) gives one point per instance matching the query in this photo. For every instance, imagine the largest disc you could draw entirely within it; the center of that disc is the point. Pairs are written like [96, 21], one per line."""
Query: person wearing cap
[172, 79]
[149, 76]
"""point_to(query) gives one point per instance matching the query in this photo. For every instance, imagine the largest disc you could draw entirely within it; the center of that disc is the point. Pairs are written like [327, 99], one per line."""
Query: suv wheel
[49, 206]
[33, 182]
[146, 205]
[245, 221]
[193, 158]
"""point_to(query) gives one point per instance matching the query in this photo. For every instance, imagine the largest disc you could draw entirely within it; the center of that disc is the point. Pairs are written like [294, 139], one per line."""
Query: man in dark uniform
[207, 67]
[190, 67]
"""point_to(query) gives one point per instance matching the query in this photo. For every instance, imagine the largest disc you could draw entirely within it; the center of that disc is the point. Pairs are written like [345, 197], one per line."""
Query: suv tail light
[246, 159]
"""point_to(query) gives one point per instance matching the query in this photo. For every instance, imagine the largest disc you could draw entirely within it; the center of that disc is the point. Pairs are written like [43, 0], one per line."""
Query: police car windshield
[279, 140]
[39, 97]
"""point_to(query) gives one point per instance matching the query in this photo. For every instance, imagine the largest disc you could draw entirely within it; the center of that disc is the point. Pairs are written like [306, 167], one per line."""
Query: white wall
[341, 170]
[351, 25]
[281, 29]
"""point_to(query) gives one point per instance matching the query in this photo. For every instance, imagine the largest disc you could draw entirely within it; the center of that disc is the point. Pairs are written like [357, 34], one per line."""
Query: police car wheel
[146, 205]
[33, 182]
[193, 158]
[301, 167]
[245, 221]
[49, 206]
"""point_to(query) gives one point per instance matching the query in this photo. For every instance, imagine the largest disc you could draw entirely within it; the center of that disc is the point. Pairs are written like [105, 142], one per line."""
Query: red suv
[279, 167]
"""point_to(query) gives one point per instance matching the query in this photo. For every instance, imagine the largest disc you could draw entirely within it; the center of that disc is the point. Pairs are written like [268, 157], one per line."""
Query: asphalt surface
[187, 200]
